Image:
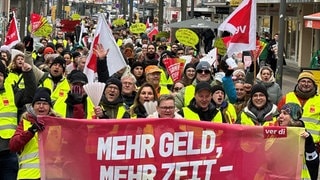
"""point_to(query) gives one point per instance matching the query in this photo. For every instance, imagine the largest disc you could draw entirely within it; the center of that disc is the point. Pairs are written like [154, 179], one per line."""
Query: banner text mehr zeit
[117, 148]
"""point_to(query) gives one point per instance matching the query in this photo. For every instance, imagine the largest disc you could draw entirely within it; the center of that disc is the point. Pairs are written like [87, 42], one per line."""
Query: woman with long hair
[145, 93]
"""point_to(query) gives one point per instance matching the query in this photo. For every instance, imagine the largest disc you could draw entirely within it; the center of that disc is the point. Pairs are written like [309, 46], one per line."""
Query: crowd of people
[46, 77]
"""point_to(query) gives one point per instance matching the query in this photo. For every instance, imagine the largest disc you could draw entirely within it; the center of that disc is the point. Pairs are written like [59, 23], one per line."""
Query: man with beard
[111, 104]
[151, 57]
[76, 104]
[305, 94]
[55, 79]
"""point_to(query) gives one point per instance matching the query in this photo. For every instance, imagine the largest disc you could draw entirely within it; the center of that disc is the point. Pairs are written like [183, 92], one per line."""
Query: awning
[312, 21]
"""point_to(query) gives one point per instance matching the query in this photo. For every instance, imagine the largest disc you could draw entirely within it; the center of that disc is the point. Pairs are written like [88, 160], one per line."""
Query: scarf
[305, 95]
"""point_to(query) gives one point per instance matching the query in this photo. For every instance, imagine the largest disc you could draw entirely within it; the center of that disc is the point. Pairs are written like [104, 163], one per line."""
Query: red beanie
[48, 50]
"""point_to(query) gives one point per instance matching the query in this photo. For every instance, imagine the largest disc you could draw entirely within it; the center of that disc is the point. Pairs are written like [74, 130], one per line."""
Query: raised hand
[26, 67]
[100, 51]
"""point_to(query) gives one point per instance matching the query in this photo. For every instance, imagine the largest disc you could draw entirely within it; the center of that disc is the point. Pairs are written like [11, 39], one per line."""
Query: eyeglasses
[203, 71]
[166, 107]
[176, 89]
[179, 53]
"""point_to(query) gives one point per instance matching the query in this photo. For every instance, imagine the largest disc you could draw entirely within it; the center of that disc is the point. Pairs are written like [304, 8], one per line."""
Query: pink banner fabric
[167, 149]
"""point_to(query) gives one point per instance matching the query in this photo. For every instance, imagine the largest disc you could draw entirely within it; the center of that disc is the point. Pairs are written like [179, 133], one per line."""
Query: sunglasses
[203, 71]
[176, 89]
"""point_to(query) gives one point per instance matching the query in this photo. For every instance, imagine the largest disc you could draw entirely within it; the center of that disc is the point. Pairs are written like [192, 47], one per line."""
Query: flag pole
[282, 16]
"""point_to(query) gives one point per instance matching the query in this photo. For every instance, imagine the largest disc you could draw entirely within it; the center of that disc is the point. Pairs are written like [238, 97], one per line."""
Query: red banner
[174, 67]
[156, 149]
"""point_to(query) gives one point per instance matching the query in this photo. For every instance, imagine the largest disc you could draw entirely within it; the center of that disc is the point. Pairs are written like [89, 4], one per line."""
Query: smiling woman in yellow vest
[24, 140]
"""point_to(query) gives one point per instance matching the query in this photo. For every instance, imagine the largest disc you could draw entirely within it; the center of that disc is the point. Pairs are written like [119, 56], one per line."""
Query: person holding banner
[165, 108]
[25, 138]
[259, 110]
[290, 115]
[200, 107]
[111, 105]
[305, 94]
[224, 111]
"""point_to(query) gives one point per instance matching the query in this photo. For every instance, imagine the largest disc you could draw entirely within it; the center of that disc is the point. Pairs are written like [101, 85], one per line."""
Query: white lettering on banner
[174, 144]
[180, 171]
[145, 172]
[121, 147]
[241, 29]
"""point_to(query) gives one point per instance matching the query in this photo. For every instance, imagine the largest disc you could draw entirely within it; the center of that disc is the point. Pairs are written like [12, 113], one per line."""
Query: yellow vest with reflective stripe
[61, 107]
[61, 90]
[8, 113]
[29, 164]
[311, 114]
[188, 94]
[121, 111]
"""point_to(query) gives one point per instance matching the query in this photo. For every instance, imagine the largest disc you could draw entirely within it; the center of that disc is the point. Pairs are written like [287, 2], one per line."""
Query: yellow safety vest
[61, 107]
[61, 89]
[29, 164]
[246, 120]
[188, 94]
[14, 78]
[164, 81]
[163, 90]
[311, 114]
[65, 42]
[8, 113]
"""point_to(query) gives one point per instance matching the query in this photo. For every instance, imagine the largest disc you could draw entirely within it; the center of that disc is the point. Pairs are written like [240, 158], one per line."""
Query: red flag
[242, 25]
[115, 61]
[152, 33]
[36, 22]
[148, 23]
[12, 37]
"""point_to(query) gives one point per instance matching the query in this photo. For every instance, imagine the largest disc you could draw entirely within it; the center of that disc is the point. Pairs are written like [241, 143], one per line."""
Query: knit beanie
[42, 94]
[48, 50]
[259, 88]
[294, 110]
[136, 64]
[77, 76]
[189, 65]
[306, 74]
[59, 60]
[217, 88]
[114, 81]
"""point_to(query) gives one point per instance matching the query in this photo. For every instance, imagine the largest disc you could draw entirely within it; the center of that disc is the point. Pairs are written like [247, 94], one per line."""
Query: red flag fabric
[115, 61]
[241, 23]
[12, 37]
[35, 22]
[69, 25]
[174, 67]
[155, 149]
[148, 23]
[152, 33]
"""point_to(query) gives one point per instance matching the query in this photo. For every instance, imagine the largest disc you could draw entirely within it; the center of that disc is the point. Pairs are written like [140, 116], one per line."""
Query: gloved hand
[28, 43]
[36, 127]
[37, 124]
